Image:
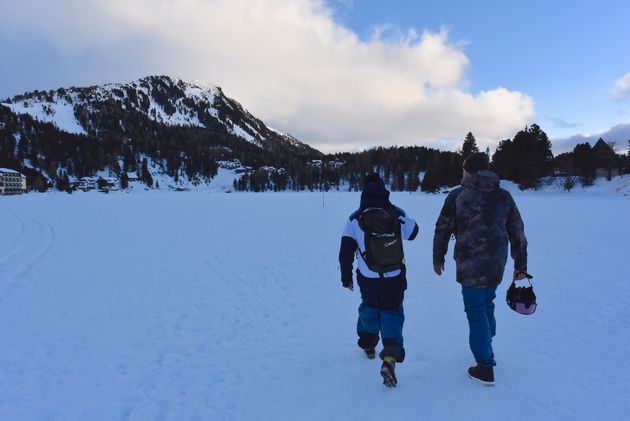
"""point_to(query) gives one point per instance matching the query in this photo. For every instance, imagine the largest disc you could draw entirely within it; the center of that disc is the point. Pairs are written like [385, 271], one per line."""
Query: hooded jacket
[483, 217]
[374, 195]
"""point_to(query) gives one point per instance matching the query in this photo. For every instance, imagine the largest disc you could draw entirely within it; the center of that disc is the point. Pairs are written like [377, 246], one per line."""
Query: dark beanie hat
[372, 178]
[476, 162]
[374, 192]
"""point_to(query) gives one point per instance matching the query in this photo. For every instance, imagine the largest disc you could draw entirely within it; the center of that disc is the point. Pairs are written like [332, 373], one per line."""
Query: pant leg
[490, 296]
[480, 335]
[368, 326]
[391, 329]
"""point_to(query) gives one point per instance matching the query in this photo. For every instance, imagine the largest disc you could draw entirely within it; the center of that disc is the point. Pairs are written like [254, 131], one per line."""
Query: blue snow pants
[479, 307]
[381, 311]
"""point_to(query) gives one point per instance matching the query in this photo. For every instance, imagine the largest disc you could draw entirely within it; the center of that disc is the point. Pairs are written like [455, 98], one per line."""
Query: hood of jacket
[484, 180]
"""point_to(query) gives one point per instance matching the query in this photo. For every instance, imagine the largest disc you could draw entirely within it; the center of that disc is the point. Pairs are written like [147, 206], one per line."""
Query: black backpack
[383, 240]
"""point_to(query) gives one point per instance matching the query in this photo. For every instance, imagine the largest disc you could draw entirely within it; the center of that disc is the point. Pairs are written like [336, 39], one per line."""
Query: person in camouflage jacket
[482, 217]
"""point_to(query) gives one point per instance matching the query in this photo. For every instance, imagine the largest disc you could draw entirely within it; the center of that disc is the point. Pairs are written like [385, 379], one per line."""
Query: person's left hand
[519, 275]
[438, 268]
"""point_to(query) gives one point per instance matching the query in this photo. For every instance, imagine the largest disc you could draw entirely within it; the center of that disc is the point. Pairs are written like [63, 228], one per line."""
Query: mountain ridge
[182, 130]
[163, 99]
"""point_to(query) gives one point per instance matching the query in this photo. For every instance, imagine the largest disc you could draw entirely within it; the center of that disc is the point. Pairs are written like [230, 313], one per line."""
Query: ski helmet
[522, 299]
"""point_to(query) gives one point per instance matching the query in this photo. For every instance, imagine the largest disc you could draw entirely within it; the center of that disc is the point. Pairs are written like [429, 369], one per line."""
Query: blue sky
[348, 74]
[565, 54]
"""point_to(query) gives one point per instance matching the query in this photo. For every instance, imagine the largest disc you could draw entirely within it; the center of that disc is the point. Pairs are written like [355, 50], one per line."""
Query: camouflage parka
[483, 217]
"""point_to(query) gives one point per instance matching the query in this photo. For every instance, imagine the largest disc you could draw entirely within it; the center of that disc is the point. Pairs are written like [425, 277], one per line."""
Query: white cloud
[291, 64]
[621, 88]
[618, 135]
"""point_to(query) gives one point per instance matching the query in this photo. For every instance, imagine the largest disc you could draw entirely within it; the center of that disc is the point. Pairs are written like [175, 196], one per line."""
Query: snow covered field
[182, 306]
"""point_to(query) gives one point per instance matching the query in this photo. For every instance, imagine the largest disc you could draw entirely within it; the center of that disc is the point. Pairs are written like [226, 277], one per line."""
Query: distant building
[607, 162]
[230, 165]
[112, 183]
[336, 163]
[12, 182]
[88, 183]
[242, 170]
[107, 184]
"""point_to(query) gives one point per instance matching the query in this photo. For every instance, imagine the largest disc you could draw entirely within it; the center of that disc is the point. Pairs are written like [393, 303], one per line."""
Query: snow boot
[370, 353]
[484, 375]
[387, 371]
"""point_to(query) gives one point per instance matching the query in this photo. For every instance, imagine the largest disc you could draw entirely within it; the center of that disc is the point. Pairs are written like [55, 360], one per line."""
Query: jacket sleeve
[516, 234]
[346, 255]
[444, 227]
[409, 228]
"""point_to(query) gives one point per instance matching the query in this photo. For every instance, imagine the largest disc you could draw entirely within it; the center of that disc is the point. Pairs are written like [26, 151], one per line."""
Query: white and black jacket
[353, 237]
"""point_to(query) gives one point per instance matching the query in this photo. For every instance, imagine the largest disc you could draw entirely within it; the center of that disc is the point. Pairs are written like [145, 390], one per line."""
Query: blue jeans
[479, 307]
[389, 323]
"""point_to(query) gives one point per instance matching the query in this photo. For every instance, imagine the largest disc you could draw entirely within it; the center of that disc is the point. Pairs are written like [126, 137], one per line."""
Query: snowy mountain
[161, 99]
[160, 127]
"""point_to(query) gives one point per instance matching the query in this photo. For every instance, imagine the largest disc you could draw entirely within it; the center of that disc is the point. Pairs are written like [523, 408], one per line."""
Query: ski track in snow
[34, 240]
[10, 248]
[165, 306]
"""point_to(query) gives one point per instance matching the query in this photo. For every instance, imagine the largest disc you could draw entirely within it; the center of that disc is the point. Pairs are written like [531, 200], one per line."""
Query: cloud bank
[288, 61]
[619, 135]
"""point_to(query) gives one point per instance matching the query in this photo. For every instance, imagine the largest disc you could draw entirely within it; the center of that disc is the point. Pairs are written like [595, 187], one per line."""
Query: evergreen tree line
[42, 152]
[585, 162]
[47, 155]
[525, 159]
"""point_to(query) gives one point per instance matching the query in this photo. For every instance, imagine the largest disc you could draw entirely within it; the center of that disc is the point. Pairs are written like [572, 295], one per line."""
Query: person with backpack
[376, 231]
[482, 217]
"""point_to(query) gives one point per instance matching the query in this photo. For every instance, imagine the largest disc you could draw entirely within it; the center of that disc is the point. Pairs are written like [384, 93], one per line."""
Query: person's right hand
[519, 275]
[438, 268]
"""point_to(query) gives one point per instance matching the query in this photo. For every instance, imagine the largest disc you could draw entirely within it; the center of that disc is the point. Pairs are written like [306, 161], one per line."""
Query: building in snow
[230, 165]
[12, 182]
[112, 183]
[607, 162]
[336, 163]
[88, 183]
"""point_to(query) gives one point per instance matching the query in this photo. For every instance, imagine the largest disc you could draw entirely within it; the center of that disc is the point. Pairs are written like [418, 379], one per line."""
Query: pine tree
[146, 175]
[584, 163]
[469, 146]
[413, 181]
[66, 182]
[40, 184]
[430, 182]
[525, 159]
[124, 180]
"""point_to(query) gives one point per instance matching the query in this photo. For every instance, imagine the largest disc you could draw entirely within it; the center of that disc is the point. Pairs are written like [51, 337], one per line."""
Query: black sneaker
[371, 353]
[484, 375]
[389, 377]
